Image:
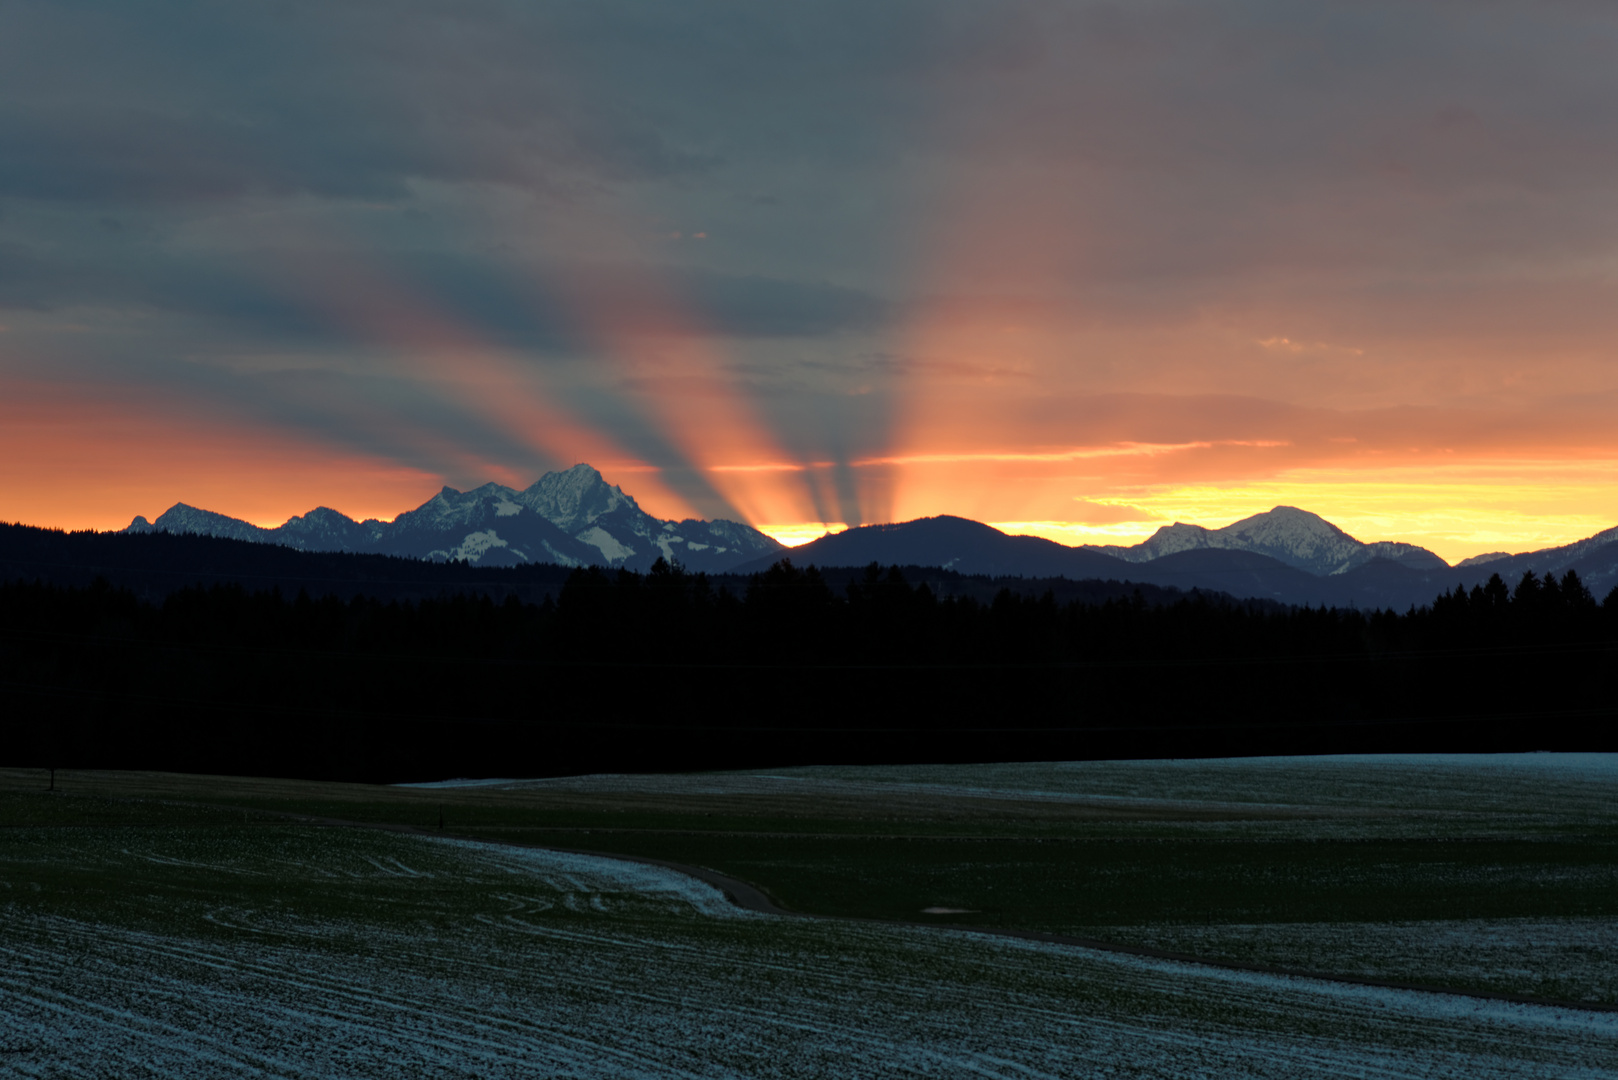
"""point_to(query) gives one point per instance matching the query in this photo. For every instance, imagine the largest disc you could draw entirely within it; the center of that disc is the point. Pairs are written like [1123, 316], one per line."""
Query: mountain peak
[1287, 517]
[1180, 533]
[575, 498]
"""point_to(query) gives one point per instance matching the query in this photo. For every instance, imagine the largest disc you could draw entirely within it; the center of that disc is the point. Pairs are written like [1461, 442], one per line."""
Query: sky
[1076, 269]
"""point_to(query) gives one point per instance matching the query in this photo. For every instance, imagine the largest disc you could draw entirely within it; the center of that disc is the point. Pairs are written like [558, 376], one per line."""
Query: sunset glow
[801, 532]
[1457, 510]
[1066, 270]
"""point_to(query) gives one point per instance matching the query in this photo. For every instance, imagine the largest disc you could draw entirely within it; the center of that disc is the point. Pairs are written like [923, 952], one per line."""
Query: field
[191, 926]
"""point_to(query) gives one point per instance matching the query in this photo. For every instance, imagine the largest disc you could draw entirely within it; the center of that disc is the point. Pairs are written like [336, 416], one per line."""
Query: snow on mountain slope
[1295, 537]
[486, 526]
[600, 514]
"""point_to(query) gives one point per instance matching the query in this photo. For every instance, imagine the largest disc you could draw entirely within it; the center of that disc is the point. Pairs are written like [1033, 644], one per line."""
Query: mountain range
[571, 518]
[575, 518]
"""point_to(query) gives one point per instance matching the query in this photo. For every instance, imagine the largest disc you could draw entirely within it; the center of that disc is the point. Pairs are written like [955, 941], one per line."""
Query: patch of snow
[601, 873]
[600, 538]
[475, 545]
[505, 508]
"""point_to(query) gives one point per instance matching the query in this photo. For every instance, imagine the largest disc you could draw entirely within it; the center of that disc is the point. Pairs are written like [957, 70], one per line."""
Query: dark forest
[624, 671]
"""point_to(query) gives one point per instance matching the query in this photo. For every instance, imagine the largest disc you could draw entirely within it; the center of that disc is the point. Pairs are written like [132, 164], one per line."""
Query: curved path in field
[751, 898]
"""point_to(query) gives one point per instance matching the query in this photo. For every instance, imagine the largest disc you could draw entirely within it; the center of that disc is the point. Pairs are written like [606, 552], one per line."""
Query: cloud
[248, 292]
[174, 103]
[1301, 348]
[1087, 512]
[753, 305]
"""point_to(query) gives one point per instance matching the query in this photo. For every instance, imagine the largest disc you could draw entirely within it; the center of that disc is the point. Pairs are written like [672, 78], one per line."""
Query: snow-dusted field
[324, 953]
[1565, 959]
[1354, 794]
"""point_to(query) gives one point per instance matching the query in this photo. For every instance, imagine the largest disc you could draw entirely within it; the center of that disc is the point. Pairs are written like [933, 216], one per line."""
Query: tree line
[667, 669]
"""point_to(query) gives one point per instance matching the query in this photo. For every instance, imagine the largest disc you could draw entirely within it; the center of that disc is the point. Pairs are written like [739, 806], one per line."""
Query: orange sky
[1076, 270]
[121, 457]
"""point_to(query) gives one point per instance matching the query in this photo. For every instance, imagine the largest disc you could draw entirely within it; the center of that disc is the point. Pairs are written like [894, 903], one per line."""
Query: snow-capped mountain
[1295, 537]
[581, 503]
[574, 518]
[486, 526]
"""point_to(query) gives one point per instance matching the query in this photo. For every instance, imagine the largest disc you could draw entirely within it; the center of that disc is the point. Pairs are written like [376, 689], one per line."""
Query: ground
[186, 926]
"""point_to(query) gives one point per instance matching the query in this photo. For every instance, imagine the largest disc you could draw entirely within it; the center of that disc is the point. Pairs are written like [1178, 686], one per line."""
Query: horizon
[798, 534]
[1070, 270]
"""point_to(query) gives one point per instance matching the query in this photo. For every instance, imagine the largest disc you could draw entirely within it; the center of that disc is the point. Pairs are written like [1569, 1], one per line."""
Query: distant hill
[950, 543]
[571, 518]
